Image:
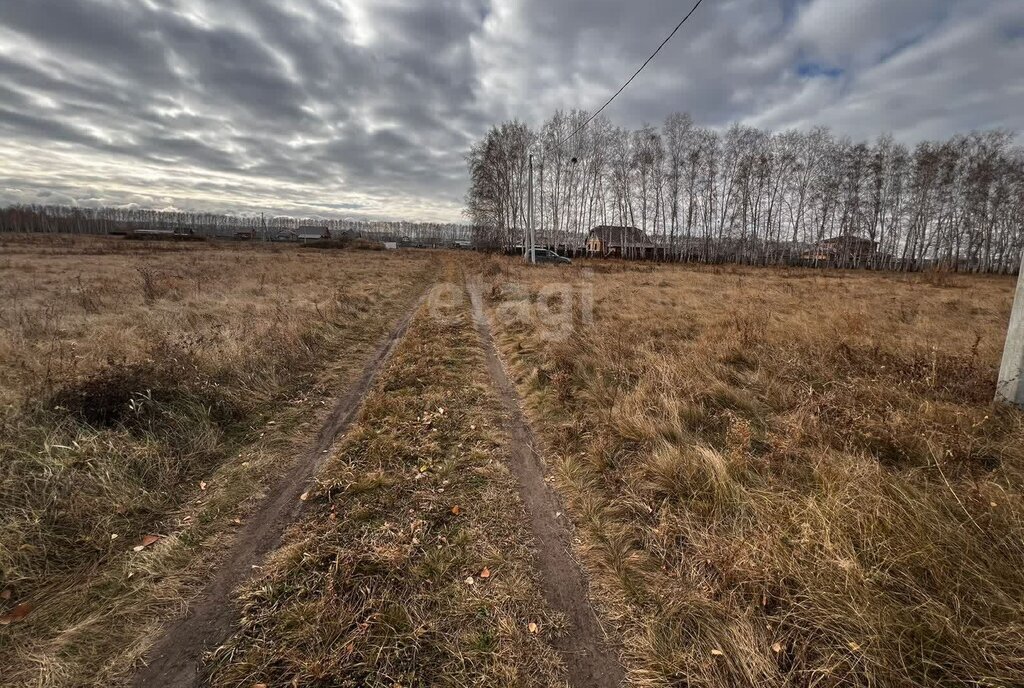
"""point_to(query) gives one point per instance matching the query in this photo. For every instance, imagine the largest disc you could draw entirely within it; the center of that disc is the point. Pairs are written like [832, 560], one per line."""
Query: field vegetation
[783, 477]
[774, 477]
[148, 394]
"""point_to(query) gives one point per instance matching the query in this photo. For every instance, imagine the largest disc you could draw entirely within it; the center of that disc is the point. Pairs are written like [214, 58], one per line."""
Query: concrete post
[529, 198]
[1010, 388]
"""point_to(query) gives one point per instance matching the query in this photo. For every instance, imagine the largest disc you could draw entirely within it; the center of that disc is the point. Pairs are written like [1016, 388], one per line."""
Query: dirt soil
[590, 655]
[175, 660]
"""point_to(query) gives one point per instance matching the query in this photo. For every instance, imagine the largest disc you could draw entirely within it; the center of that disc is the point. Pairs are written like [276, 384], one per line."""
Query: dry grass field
[770, 477]
[155, 389]
[783, 477]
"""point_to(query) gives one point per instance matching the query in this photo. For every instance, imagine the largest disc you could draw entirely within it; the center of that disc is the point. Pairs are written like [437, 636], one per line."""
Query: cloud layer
[365, 108]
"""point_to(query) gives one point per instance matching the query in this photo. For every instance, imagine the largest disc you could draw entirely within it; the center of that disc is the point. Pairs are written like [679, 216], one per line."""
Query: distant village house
[609, 240]
[313, 233]
[848, 249]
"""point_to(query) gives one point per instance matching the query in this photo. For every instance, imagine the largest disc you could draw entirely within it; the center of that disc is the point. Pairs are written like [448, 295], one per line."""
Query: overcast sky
[365, 108]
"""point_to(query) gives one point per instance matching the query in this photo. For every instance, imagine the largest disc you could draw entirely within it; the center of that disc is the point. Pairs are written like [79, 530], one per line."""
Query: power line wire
[630, 80]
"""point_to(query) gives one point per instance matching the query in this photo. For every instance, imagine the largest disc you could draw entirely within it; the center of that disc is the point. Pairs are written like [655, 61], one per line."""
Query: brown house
[610, 240]
[846, 249]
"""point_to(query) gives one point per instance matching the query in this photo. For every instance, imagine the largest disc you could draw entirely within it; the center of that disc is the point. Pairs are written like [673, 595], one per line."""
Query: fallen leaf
[777, 648]
[717, 653]
[533, 628]
[486, 573]
[202, 485]
[456, 510]
[113, 536]
[17, 614]
[304, 496]
[237, 521]
[146, 542]
[259, 685]
[470, 581]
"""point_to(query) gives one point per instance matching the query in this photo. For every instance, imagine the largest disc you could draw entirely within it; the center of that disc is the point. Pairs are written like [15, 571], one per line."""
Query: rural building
[151, 233]
[313, 233]
[848, 249]
[609, 240]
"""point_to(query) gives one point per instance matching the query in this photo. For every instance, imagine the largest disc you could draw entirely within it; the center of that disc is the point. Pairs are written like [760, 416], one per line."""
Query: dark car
[545, 256]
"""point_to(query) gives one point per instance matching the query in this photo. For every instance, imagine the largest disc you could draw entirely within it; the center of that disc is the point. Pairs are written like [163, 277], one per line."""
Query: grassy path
[414, 564]
[590, 659]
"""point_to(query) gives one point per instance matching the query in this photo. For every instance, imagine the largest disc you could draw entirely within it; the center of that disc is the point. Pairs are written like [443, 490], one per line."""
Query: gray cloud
[364, 108]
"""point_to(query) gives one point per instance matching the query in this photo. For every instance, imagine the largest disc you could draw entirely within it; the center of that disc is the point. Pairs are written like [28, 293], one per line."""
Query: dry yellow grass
[786, 477]
[72, 306]
[778, 478]
[415, 567]
[129, 374]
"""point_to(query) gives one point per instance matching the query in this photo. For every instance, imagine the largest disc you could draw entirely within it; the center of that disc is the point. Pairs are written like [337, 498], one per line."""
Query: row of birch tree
[753, 196]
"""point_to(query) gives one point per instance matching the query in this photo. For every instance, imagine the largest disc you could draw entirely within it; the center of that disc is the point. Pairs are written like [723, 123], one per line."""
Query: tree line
[753, 196]
[113, 220]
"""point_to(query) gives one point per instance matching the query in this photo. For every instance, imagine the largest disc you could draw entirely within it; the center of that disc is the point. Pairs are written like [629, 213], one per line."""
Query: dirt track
[590, 658]
[175, 660]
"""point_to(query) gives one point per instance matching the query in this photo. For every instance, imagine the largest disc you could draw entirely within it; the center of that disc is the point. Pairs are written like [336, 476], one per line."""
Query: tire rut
[175, 661]
[590, 656]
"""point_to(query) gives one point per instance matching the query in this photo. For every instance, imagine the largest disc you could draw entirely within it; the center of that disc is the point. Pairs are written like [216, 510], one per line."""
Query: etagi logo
[553, 309]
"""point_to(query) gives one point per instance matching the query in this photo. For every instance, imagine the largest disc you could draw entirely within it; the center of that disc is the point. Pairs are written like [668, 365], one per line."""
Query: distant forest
[77, 220]
[752, 196]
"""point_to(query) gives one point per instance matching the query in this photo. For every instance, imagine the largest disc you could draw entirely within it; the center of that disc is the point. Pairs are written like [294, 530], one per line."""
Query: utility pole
[529, 212]
[1010, 388]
